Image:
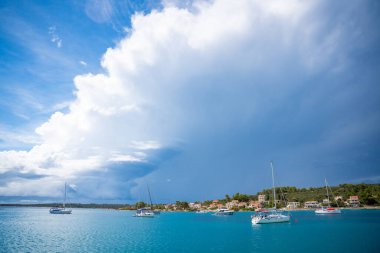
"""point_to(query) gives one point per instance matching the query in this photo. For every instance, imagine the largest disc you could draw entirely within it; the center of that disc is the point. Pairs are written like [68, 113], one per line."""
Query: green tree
[207, 202]
[243, 198]
[183, 205]
[140, 205]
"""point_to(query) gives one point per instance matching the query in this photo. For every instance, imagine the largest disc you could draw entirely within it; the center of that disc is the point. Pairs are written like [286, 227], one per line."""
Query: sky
[193, 98]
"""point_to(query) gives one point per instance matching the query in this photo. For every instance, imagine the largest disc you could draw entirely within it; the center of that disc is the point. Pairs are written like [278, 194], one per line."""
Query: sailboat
[272, 215]
[328, 209]
[146, 212]
[61, 210]
[151, 202]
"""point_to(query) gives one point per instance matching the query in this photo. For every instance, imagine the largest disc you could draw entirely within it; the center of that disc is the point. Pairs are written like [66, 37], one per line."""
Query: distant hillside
[369, 194]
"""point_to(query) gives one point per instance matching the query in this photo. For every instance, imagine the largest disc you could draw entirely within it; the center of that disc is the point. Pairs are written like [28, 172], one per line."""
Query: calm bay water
[90, 230]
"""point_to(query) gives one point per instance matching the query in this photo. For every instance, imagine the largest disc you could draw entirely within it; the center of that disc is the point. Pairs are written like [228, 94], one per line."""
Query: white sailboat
[272, 215]
[155, 212]
[61, 210]
[146, 212]
[328, 209]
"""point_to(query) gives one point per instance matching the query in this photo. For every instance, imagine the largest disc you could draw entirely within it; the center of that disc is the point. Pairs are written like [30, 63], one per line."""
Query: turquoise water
[91, 230]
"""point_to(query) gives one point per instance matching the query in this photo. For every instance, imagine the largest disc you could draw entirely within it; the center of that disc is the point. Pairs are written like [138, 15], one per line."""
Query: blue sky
[193, 98]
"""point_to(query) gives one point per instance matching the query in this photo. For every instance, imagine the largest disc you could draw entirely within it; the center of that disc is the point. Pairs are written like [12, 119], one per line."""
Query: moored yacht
[61, 210]
[147, 212]
[273, 215]
[328, 209]
[270, 216]
[224, 211]
[144, 212]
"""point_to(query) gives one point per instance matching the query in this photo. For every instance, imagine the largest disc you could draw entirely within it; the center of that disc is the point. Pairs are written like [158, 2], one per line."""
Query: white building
[254, 204]
[312, 204]
[232, 204]
[261, 198]
[195, 205]
[243, 204]
[293, 205]
[353, 201]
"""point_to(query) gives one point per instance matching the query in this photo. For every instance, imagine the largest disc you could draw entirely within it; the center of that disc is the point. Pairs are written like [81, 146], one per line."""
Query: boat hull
[224, 213]
[270, 219]
[60, 211]
[146, 215]
[324, 211]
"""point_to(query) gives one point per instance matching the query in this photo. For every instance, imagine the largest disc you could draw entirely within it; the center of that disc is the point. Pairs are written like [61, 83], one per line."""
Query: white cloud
[99, 11]
[54, 36]
[60, 106]
[176, 70]
[145, 145]
[12, 138]
[83, 63]
[139, 157]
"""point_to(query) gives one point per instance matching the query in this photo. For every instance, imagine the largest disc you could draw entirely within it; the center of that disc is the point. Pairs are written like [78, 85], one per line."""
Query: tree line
[369, 194]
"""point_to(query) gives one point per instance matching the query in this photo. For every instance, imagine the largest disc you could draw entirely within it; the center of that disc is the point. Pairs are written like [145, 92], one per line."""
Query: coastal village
[291, 198]
[261, 202]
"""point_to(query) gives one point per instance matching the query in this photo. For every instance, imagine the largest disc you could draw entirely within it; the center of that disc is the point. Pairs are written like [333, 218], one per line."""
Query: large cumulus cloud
[186, 83]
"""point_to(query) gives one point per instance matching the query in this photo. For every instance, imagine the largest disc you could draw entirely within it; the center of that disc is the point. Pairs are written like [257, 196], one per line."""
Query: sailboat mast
[150, 198]
[64, 200]
[274, 188]
[327, 191]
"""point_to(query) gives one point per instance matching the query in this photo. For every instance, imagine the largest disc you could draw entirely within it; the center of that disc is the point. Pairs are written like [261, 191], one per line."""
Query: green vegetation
[182, 205]
[369, 195]
[243, 197]
[140, 205]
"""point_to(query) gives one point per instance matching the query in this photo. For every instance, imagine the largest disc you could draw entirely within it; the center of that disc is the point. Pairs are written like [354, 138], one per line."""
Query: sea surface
[93, 230]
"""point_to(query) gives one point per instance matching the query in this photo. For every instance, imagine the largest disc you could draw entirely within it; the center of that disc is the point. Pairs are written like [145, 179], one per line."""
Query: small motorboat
[224, 211]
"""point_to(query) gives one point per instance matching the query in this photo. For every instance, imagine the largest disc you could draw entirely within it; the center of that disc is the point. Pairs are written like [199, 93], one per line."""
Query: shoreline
[342, 208]
[190, 211]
